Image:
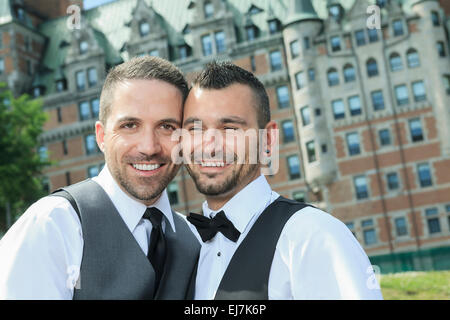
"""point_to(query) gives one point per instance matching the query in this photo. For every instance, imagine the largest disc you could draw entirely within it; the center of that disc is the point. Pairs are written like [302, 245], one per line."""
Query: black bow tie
[207, 228]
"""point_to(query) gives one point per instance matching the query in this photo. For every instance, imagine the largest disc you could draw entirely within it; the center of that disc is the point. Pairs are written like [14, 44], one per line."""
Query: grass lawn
[433, 285]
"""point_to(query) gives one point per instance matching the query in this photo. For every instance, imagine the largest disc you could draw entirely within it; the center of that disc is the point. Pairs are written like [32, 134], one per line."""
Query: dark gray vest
[113, 264]
[247, 275]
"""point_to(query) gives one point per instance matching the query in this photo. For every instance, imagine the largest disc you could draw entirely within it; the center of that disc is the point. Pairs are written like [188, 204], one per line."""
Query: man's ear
[100, 135]
[271, 132]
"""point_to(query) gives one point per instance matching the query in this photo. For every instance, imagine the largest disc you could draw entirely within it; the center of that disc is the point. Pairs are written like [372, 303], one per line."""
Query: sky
[88, 4]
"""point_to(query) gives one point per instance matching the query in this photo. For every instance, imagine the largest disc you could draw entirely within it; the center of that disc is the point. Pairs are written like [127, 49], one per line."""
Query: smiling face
[229, 111]
[136, 138]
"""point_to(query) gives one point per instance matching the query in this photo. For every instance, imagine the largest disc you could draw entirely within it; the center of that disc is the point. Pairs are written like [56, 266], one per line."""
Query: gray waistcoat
[113, 264]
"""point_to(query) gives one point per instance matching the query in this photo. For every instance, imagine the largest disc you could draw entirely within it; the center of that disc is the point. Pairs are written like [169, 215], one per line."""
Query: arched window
[413, 58]
[333, 77]
[372, 67]
[396, 62]
[144, 28]
[349, 73]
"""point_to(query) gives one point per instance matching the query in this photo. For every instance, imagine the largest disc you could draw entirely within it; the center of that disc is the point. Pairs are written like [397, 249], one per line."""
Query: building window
[207, 45]
[311, 151]
[153, 53]
[360, 37]
[95, 107]
[183, 52]
[398, 27]
[91, 144]
[333, 77]
[306, 43]
[415, 128]
[59, 114]
[84, 109]
[300, 80]
[288, 131]
[372, 68]
[440, 48]
[276, 62]
[253, 63]
[335, 43]
[42, 152]
[396, 62]
[401, 94]
[324, 148]
[400, 226]
[413, 58]
[369, 233]
[299, 196]
[351, 227]
[61, 85]
[419, 91]
[392, 181]
[2, 65]
[446, 79]
[385, 137]
[424, 172]
[312, 74]
[294, 167]
[361, 188]
[68, 180]
[295, 49]
[373, 35]
[338, 109]
[274, 26]
[84, 47]
[144, 28]
[432, 217]
[64, 147]
[221, 45]
[305, 113]
[208, 8]
[355, 105]
[251, 32]
[353, 143]
[283, 97]
[81, 80]
[435, 19]
[93, 171]
[318, 112]
[377, 100]
[172, 192]
[92, 77]
[447, 209]
[349, 73]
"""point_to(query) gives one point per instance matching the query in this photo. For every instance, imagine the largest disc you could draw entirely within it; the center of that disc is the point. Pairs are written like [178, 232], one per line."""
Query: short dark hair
[141, 68]
[219, 75]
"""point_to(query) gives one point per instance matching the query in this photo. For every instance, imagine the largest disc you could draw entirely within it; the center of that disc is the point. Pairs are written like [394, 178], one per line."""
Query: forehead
[236, 100]
[144, 97]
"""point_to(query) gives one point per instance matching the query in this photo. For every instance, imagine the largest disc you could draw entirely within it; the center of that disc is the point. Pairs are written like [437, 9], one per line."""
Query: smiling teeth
[146, 167]
[213, 164]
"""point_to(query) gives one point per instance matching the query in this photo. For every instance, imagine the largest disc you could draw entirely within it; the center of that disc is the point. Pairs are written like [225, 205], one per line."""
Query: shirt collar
[130, 209]
[243, 206]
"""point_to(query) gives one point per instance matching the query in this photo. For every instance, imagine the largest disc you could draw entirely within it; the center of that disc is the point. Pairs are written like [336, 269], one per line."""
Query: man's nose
[149, 143]
[212, 143]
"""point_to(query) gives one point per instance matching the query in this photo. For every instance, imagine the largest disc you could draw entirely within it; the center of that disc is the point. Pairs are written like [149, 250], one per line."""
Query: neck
[217, 202]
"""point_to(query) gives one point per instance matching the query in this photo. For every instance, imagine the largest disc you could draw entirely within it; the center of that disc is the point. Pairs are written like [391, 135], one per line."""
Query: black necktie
[207, 228]
[157, 247]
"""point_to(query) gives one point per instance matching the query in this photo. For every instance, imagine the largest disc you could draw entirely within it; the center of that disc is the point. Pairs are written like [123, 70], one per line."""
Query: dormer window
[37, 92]
[335, 11]
[183, 52]
[252, 32]
[274, 26]
[208, 7]
[144, 28]
[84, 46]
[20, 14]
[61, 85]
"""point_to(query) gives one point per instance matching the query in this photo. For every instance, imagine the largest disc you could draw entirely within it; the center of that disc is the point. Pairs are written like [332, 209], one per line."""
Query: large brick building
[364, 113]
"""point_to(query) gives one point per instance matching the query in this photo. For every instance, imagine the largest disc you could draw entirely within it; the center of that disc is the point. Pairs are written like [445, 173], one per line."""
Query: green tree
[21, 123]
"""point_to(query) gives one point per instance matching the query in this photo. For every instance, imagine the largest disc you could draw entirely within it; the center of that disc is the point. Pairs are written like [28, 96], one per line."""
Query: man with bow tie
[256, 244]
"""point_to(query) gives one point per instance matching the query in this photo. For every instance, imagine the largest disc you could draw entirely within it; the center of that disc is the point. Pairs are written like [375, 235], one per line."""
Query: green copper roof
[301, 10]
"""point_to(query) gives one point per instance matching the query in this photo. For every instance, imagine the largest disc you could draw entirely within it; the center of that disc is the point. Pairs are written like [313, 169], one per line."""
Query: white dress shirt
[316, 257]
[40, 256]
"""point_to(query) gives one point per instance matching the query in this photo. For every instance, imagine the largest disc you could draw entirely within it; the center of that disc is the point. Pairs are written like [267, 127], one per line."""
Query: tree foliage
[21, 123]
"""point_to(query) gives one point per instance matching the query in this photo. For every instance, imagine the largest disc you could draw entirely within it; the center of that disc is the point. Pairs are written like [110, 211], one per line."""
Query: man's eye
[195, 129]
[231, 129]
[168, 127]
[130, 125]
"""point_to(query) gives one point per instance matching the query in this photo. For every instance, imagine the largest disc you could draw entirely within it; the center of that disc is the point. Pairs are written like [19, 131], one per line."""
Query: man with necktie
[113, 236]
[256, 244]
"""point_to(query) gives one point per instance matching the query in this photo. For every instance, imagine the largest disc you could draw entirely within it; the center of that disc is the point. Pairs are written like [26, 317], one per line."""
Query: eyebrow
[133, 119]
[226, 120]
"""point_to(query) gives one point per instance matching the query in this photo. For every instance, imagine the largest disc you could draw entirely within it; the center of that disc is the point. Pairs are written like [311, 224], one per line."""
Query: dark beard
[229, 184]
